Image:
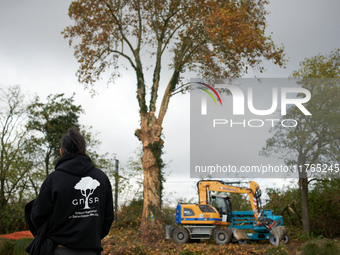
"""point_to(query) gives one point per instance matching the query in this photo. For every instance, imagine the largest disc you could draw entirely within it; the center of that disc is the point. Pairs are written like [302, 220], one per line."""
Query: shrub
[323, 206]
[279, 250]
[20, 246]
[130, 215]
[12, 218]
[328, 247]
[6, 246]
[14, 247]
[169, 215]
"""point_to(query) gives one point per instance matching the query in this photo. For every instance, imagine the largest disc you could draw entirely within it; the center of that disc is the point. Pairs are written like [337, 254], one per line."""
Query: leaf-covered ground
[128, 241]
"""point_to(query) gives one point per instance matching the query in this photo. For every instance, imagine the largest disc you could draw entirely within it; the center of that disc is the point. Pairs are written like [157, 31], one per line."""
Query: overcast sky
[34, 55]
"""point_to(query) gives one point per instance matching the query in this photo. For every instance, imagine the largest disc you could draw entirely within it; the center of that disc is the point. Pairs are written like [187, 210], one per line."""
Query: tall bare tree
[13, 166]
[211, 37]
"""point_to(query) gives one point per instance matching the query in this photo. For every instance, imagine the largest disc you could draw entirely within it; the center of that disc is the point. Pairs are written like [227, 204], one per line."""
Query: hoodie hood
[78, 164]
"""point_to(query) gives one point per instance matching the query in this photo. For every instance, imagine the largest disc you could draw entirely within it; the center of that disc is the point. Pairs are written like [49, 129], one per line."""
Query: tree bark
[149, 134]
[303, 185]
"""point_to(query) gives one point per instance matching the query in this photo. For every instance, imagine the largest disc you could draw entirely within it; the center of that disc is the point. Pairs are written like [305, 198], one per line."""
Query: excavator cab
[223, 205]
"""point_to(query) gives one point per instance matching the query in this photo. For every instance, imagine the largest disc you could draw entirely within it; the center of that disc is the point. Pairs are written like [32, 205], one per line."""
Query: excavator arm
[253, 192]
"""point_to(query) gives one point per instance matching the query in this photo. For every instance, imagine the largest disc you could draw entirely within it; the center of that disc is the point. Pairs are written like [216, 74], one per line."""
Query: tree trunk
[303, 185]
[149, 135]
[3, 200]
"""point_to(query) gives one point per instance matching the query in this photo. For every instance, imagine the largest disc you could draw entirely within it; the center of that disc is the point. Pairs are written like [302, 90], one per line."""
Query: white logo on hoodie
[87, 186]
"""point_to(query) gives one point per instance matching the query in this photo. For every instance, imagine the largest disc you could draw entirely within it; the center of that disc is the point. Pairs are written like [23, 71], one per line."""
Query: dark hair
[73, 142]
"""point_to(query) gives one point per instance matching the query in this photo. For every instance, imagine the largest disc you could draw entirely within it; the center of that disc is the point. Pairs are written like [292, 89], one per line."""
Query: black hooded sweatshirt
[76, 199]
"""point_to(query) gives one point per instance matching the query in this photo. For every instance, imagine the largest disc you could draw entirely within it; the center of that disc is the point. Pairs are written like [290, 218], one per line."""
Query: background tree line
[323, 207]
[30, 132]
[315, 141]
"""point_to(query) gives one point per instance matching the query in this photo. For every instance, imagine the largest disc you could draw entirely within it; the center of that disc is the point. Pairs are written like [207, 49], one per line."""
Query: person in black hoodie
[75, 202]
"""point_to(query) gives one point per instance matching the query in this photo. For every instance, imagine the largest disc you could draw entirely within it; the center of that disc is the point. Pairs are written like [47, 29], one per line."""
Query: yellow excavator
[213, 215]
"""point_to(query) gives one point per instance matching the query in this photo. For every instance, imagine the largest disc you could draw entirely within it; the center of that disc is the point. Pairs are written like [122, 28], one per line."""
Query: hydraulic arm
[253, 192]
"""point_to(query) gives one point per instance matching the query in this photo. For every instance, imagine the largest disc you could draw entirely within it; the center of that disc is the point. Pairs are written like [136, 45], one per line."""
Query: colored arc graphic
[209, 94]
[213, 90]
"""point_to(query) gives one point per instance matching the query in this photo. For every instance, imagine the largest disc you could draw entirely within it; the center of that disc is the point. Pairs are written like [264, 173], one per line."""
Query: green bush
[6, 246]
[12, 218]
[130, 215]
[279, 250]
[311, 249]
[169, 215]
[323, 206]
[14, 247]
[329, 247]
[20, 246]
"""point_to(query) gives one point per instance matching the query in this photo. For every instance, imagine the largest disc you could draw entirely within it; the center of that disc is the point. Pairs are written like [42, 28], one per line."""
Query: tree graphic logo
[87, 186]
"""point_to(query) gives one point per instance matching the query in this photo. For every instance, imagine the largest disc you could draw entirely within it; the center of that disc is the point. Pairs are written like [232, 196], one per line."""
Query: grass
[20, 246]
[323, 246]
[6, 246]
[279, 250]
[14, 247]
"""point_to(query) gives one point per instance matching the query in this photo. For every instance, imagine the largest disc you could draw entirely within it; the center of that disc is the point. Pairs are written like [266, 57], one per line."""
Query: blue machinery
[244, 220]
